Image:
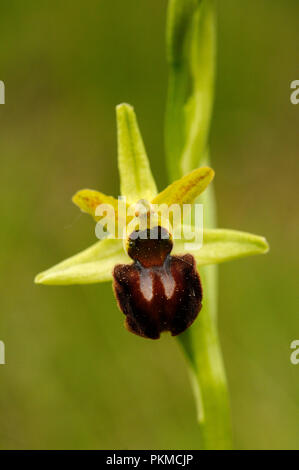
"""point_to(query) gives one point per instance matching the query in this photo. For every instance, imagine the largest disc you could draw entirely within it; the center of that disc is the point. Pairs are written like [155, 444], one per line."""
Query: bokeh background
[74, 377]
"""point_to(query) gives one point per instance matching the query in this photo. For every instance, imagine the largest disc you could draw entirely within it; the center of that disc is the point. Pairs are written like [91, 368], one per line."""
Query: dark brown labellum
[157, 292]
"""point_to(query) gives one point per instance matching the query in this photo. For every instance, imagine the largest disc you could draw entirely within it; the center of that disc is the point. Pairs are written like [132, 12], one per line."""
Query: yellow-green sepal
[136, 179]
[221, 245]
[95, 264]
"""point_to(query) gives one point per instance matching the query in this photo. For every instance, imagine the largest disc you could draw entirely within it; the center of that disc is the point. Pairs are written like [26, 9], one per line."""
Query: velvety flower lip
[96, 263]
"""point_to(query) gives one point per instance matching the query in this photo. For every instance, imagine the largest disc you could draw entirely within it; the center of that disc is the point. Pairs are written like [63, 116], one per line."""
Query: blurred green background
[75, 378]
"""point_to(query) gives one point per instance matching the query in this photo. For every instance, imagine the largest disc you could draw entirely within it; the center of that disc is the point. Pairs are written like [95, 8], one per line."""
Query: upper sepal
[136, 179]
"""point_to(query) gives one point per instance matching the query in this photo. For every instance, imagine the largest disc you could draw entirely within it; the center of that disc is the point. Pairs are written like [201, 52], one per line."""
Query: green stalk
[191, 58]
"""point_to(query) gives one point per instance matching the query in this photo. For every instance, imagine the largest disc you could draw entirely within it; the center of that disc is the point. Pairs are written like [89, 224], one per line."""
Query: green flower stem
[191, 58]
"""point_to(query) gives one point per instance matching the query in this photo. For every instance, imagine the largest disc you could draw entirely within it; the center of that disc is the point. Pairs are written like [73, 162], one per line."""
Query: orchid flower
[96, 263]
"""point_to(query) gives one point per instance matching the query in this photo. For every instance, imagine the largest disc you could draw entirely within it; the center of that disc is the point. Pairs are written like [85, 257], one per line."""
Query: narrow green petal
[104, 209]
[187, 188]
[88, 200]
[220, 245]
[136, 179]
[95, 264]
